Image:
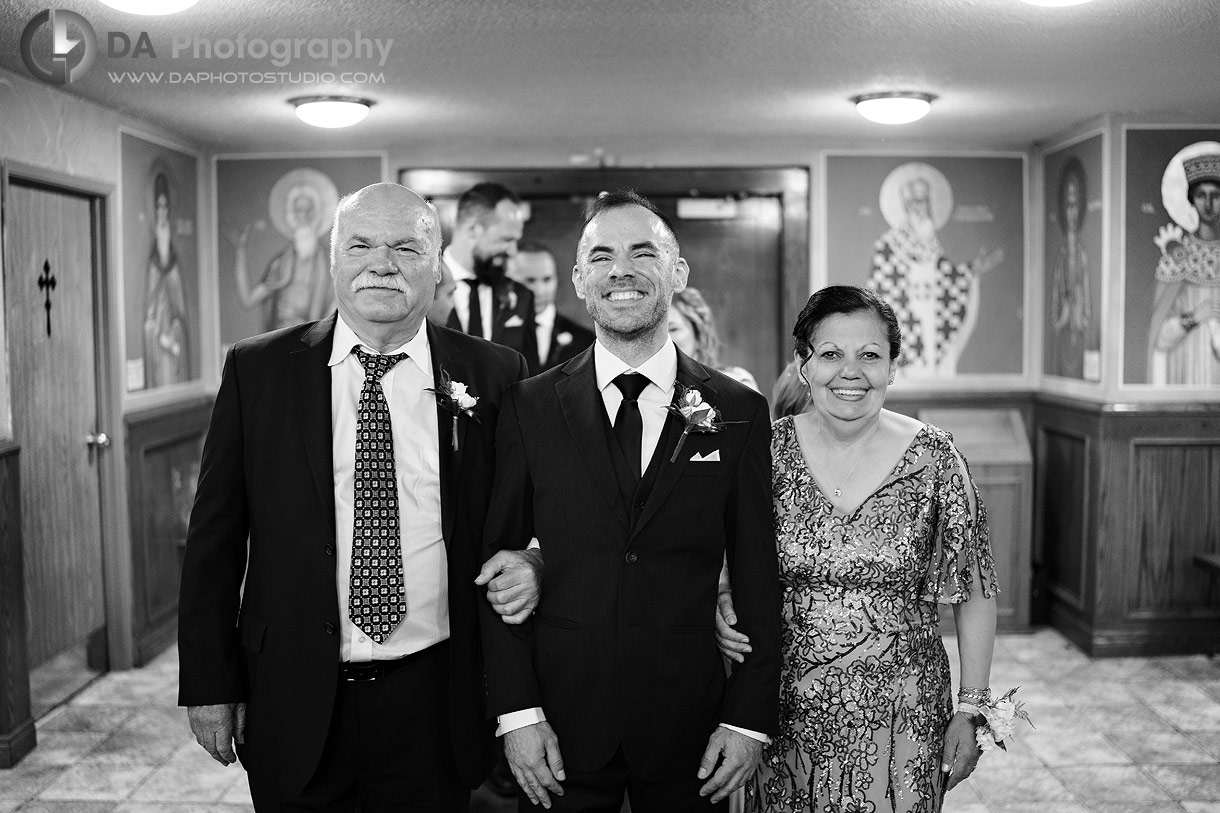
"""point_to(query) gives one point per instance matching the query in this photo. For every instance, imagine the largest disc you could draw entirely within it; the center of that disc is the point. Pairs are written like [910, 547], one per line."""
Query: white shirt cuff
[754, 735]
[518, 719]
[533, 545]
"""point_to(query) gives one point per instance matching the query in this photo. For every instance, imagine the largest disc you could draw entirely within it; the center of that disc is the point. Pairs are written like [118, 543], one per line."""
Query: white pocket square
[710, 457]
[514, 321]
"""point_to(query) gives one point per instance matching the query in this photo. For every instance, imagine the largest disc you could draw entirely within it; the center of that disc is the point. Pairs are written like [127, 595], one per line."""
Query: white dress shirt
[662, 373]
[417, 470]
[544, 328]
[461, 296]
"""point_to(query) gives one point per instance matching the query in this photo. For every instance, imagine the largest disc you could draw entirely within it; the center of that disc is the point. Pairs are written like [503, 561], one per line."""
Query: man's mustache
[367, 279]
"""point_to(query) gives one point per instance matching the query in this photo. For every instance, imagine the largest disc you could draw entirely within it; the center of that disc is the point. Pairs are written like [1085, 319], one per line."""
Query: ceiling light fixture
[150, 8]
[331, 111]
[894, 107]
[1057, 3]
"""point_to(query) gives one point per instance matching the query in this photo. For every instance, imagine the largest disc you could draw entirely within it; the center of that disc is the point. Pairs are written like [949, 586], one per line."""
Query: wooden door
[49, 274]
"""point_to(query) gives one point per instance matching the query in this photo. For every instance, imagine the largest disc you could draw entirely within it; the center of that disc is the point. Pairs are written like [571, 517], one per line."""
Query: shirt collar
[546, 316]
[416, 347]
[458, 270]
[661, 369]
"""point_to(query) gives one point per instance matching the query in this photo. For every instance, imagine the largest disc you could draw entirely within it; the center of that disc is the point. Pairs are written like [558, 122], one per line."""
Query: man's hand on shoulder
[216, 728]
[738, 755]
[533, 755]
[514, 583]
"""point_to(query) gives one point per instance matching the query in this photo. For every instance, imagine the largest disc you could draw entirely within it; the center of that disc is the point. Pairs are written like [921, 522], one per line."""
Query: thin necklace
[838, 492]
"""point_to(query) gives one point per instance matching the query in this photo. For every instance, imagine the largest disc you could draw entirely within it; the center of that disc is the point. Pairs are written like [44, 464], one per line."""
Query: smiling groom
[616, 685]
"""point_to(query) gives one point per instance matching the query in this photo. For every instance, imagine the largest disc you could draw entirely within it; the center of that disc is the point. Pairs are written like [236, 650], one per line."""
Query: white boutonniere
[454, 397]
[563, 339]
[696, 415]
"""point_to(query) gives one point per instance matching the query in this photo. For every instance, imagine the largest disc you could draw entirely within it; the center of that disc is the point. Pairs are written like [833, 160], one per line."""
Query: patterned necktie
[475, 320]
[628, 425]
[376, 600]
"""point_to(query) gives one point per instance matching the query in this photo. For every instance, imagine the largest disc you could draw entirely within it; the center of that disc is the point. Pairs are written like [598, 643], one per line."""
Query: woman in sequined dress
[877, 520]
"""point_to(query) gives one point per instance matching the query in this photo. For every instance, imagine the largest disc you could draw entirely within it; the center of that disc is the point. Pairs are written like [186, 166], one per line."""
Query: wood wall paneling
[1063, 474]
[163, 449]
[1127, 497]
[17, 735]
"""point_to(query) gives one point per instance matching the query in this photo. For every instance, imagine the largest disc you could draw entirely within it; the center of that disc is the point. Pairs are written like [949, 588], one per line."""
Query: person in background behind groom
[486, 302]
[615, 685]
[327, 618]
[559, 338]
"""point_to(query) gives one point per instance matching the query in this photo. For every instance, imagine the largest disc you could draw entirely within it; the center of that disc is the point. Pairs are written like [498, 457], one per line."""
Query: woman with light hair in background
[693, 329]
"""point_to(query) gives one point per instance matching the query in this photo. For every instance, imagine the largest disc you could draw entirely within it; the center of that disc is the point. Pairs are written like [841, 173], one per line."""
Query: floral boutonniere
[563, 339]
[507, 297]
[999, 720]
[454, 397]
[696, 415]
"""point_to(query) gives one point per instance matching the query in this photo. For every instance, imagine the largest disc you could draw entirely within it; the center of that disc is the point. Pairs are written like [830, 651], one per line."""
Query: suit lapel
[584, 411]
[445, 352]
[311, 381]
[691, 374]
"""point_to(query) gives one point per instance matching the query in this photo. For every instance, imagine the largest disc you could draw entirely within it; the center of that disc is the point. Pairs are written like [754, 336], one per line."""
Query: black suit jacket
[266, 474]
[621, 650]
[513, 322]
[568, 340]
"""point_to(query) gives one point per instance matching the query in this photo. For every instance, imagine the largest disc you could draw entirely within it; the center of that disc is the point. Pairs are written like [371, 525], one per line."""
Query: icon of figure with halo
[1071, 315]
[1184, 340]
[295, 287]
[935, 299]
[166, 357]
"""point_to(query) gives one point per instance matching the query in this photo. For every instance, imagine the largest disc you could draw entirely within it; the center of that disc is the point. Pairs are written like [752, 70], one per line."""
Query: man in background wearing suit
[559, 338]
[329, 601]
[615, 685]
[486, 302]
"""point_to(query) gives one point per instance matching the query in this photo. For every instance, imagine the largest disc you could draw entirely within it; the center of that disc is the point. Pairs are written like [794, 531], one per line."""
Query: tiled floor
[1130, 735]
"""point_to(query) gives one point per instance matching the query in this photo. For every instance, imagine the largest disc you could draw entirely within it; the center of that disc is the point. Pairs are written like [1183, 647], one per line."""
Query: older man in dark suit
[616, 685]
[328, 618]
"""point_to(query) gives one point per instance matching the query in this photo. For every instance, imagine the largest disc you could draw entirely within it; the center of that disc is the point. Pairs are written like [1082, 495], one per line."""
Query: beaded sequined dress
[865, 696]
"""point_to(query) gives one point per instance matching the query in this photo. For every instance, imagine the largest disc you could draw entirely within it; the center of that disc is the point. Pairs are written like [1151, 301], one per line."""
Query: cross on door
[47, 283]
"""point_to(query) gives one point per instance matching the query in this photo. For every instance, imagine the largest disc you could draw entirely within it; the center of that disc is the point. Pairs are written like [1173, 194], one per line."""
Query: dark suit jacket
[266, 474]
[621, 650]
[563, 349]
[513, 324]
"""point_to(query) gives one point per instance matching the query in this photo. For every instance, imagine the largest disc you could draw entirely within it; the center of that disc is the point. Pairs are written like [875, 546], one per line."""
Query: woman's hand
[961, 752]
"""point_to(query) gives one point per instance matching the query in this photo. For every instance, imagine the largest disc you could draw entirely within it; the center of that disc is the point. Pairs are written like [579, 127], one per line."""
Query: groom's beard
[490, 270]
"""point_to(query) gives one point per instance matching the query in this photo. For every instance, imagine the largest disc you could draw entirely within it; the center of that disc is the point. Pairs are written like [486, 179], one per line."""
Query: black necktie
[475, 319]
[628, 425]
[376, 600]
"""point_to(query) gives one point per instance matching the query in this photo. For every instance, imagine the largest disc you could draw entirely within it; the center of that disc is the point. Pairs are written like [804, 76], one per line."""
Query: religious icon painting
[160, 248]
[1073, 259]
[1171, 327]
[942, 239]
[274, 215]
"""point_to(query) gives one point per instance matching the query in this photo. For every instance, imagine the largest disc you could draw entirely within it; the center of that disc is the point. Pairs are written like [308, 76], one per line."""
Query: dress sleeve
[961, 545]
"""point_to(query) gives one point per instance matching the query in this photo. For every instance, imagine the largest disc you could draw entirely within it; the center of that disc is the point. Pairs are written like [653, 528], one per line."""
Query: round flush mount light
[895, 107]
[150, 8]
[331, 111]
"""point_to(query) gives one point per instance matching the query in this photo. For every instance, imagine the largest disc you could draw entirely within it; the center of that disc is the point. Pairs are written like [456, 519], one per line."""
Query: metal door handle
[101, 440]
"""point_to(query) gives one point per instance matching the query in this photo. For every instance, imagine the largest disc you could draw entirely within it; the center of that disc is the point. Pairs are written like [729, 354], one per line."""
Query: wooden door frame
[116, 555]
[790, 184]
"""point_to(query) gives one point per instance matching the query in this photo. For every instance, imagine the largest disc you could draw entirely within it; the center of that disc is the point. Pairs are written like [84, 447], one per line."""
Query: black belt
[360, 671]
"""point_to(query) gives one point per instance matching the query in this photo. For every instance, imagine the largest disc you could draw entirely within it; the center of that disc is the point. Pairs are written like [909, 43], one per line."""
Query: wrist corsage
[454, 397]
[696, 415]
[998, 718]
